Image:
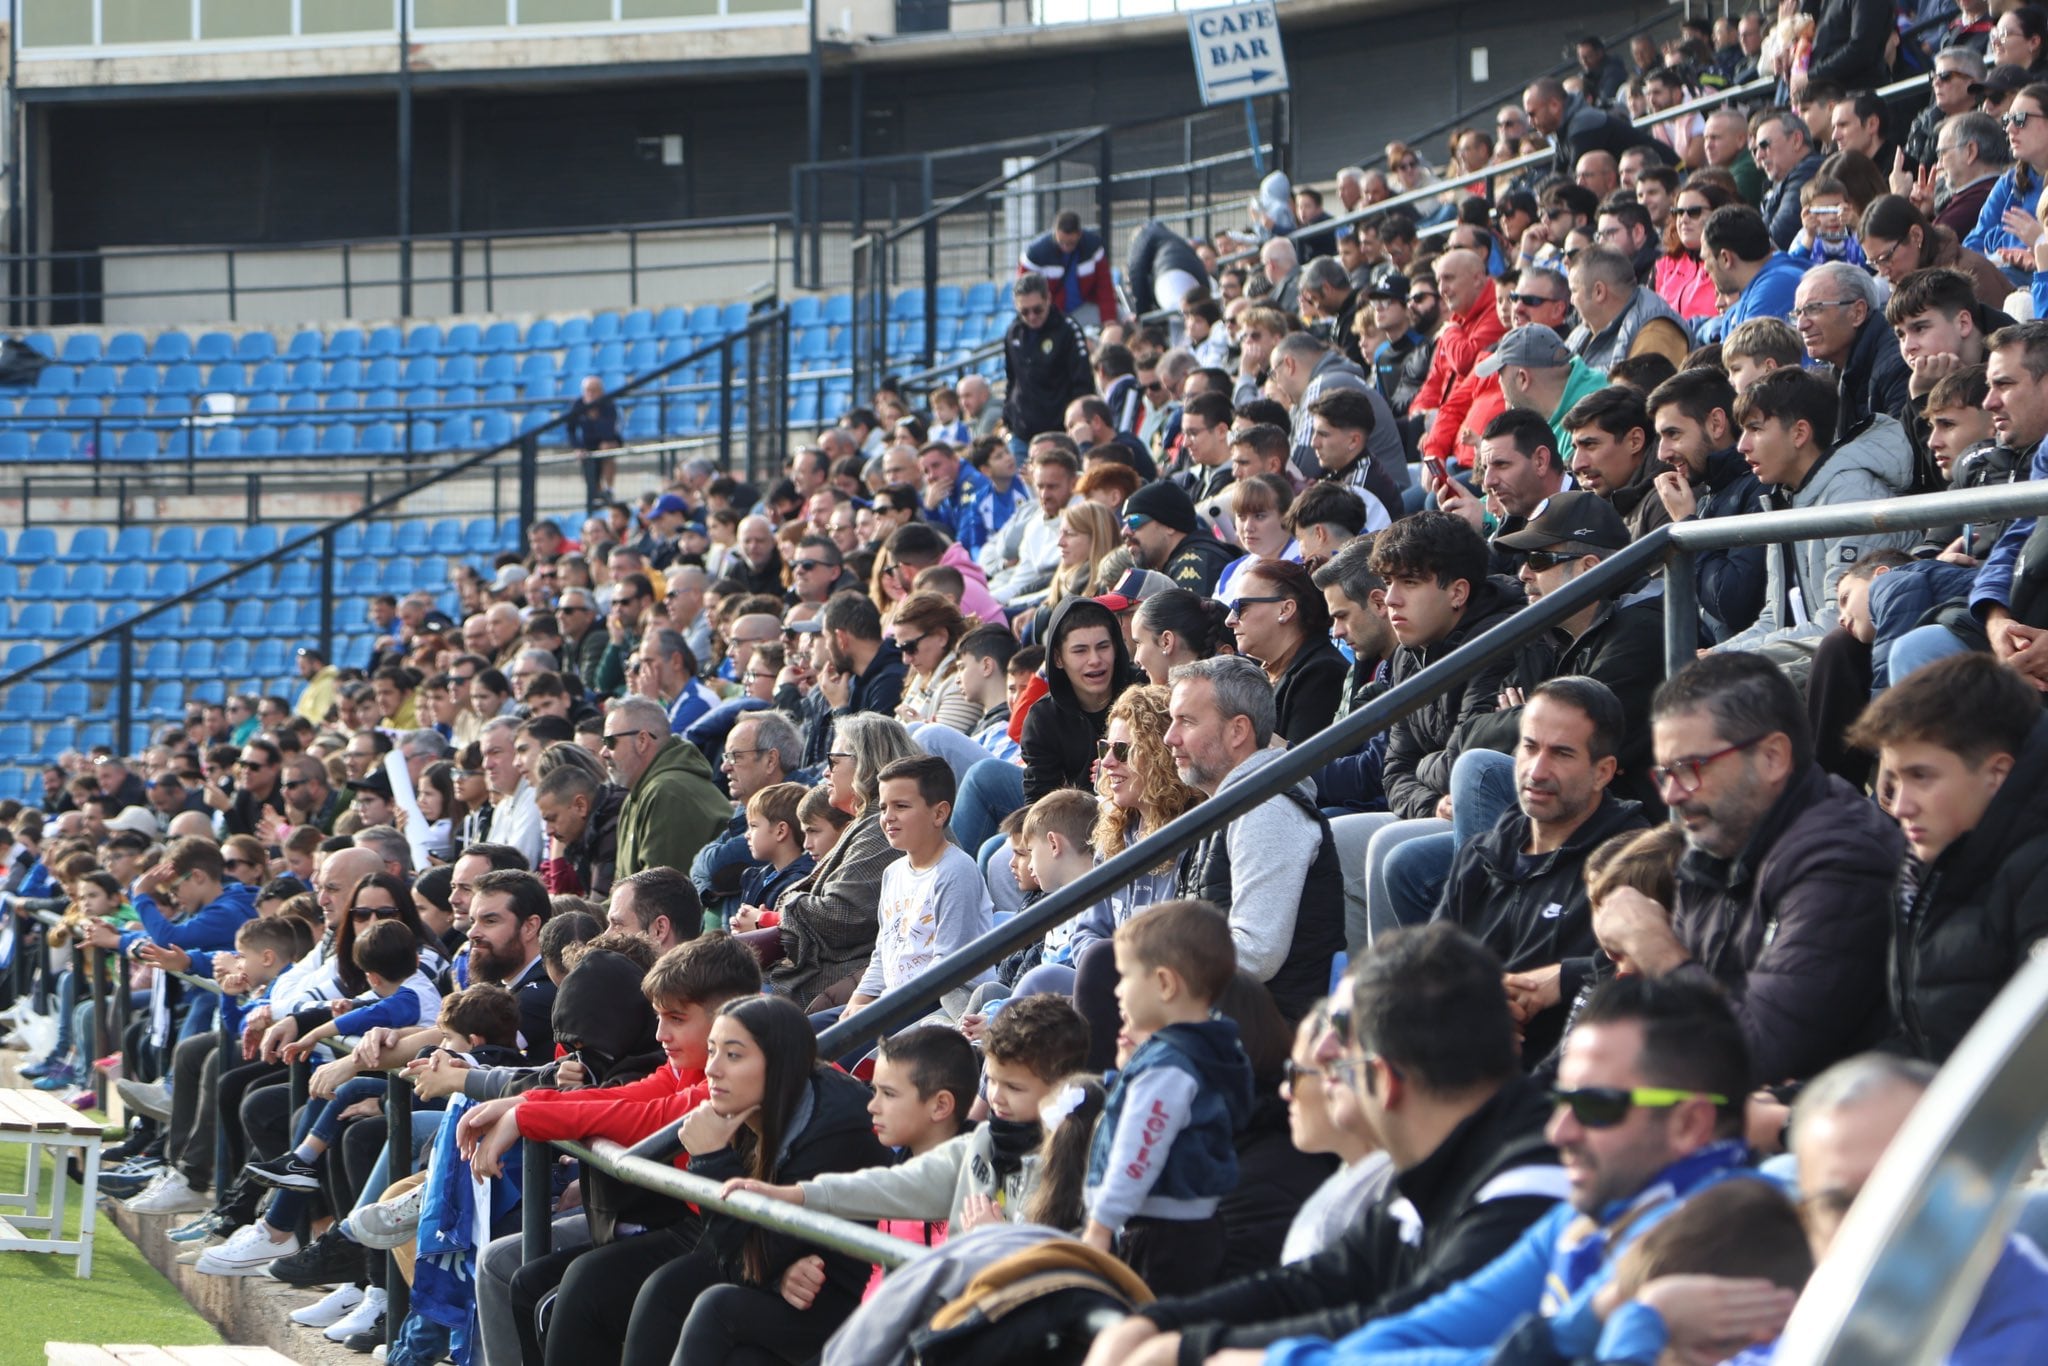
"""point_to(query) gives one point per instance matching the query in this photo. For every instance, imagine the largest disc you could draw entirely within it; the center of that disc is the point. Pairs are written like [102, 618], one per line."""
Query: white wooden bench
[46, 1124]
[120, 1354]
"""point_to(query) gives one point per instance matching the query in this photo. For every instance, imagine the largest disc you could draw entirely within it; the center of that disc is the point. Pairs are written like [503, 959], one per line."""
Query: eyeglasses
[236, 863]
[756, 676]
[742, 753]
[1572, 254]
[1135, 521]
[836, 757]
[292, 784]
[909, 647]
[1417, 300]
[1603, 1107]
[1119, 750]
[1237, 605]
[1941, 76]
[1762, 144]
[1292, 1074]
[251, 763]
[2016, 118]
[612, 741]
[1881, 259]
[372, 912]
[1692, 211]
[806, 566]
[1815, 307]
[1684, 774]
[1533, 300]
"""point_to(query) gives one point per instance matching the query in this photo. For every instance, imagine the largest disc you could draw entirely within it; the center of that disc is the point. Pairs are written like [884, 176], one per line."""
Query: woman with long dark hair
[380, 896]
[774, 1114]
[1281, 619]
[1175, 626]
[1682, 277]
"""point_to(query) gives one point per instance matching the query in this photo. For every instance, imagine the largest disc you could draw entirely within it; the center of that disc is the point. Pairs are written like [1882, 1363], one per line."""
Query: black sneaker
[286, 1173]
[367, 1341]
[329, 1259]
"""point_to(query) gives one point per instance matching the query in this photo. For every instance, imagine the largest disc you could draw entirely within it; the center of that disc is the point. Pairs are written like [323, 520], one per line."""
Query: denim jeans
[992, 790]
[1482, 791]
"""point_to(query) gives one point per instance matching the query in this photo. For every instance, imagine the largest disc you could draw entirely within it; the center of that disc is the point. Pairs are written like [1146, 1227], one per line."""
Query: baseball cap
[378, 782]
[1392, 285]
[1534, 347]
[667, 503]
[509, 576]
[135, 819]
[2002, 80]
[1576, 518]
[1132, 587]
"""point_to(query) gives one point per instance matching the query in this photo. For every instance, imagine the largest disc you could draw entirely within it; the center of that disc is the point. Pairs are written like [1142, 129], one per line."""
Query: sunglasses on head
[1603, 1107]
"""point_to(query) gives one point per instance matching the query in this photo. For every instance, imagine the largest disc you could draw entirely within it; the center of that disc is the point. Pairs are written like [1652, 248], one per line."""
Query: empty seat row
[378, 540]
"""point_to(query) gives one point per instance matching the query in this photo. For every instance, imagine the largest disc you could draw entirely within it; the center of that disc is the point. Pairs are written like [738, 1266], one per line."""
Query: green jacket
[671, 813]
[1584, 380]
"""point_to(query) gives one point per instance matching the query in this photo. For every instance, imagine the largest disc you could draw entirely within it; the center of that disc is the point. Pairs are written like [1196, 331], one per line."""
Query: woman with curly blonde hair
[1138, 791]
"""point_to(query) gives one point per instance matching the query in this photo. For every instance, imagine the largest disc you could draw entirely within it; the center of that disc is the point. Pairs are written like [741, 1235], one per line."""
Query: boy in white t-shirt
[933, 899]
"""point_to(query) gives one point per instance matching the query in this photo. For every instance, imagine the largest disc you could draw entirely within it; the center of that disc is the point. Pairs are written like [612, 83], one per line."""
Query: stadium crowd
[1560, 1021]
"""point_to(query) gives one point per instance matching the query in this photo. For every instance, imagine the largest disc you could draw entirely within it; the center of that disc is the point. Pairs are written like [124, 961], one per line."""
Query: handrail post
[348, 306]
[124, 709]
[633, 267]
[536, 1235]
[398, 1160]
[1681, 611]
[725, 403]
[327, 568]
[228, 1058]
[1105, 192]
[99, 980]
[928, 350]
[231, 285]
[529, 478]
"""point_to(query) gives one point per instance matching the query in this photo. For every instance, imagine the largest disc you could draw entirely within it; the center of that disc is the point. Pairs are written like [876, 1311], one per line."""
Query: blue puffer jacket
[1906, 597]
[1189, 1086]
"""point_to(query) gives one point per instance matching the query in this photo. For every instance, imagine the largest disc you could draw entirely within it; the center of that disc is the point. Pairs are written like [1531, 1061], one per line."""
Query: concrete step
[136, 1354]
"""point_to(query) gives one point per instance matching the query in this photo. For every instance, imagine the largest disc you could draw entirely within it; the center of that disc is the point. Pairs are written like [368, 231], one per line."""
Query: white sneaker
[361, 1319]
[170, 1193]
[330, 1309]
[377, 1352]
[389, 1223]
[249, 1253]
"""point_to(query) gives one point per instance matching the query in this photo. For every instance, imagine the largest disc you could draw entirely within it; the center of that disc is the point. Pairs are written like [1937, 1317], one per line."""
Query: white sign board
[1237, 52]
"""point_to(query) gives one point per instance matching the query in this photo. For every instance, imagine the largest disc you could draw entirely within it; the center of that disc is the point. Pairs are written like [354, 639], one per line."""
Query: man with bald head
[1599, 172]
[1471, 328]
[684, 607]
[1282, 265]
[502, 619]
[980, 415]
[476, 635]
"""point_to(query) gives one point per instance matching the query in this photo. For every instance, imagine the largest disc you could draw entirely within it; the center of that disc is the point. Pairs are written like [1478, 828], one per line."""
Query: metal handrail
[1673, 546]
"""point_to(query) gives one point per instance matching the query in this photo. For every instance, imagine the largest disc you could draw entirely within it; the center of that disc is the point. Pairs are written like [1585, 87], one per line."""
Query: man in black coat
[1521, 887]
[1428, 1066]
[1576, 127]
[1045, 359]
[1692, 415]
[1783, 891]
[1965, 743]
[1849, 41]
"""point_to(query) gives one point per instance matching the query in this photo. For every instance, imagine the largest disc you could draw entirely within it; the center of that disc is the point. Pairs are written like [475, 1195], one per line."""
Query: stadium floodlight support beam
[17, 146]
[405, 158]
[1669, 546]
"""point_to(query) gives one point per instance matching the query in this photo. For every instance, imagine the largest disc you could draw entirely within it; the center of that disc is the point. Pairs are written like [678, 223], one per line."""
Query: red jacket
[1473, 402]
[624, 1114]
[1459, 345]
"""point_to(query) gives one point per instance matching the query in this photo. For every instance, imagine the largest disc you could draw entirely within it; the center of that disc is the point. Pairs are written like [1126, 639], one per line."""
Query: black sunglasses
[372, 912]
[1603, 1107]
[1540, 560]
[612, 741]
[1120, 750]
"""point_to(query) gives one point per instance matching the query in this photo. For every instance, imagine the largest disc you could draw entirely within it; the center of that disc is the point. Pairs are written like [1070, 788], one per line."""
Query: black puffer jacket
[1310, 690]
[1794, 927]
[1534, 912]
[1047, 368]
[1422, 746]
[1730, 582]
[1474, 1196]
[839, 1136]
[1975, 915]
[1273, 1182]
[1155, 249]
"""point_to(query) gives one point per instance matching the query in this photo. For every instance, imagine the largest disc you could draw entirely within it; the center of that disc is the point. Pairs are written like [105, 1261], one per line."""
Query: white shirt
[516, 821]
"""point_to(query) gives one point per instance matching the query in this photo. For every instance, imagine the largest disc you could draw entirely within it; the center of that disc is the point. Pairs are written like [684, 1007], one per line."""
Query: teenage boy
[775, 840]
[987, 655]
[209, 911]
[1963, 741]
[1162, 1156]
[933, 901]
[1788, 421]
[686, 986]
[1031, 1048]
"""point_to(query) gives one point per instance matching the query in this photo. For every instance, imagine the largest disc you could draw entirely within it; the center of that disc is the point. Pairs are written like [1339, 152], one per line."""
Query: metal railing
[761, 352]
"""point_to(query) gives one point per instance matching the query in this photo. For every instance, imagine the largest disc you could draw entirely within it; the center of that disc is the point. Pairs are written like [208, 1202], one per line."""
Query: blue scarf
[1589, 1240]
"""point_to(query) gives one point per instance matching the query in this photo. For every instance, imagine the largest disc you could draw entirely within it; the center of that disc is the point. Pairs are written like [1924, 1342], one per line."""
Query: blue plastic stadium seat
[253, 348]
[838, 310]
[170, 348]
[131, 545]
[346, 373]
[423, 340]
[217, 543]
[348, 341]
[53, 445]
[384, 341]
[576, 332]
[213, 347]
[165, 701]
[297, 439]
[499, 336]
[87, 543]
[732, 317]
[339, 439]
[380, 540]
[260, 441]
[160, 662]
[68, 701]
[544, 335]
[86, 581]
[341, 403]
[77, 619]
[510, 537]
[643, 422]
[209, 618]
[129, 581]
[140, 378]
[136, 444]
[233, 661]
[269, 662]
[24, 702]
[307, 374]
[196, 660]
[170, 579]
[14, 444]
[126, 348]
[259, 539]
[224, 441]
[982, 297]
[269, 375]
[305, 346]
[175, 542]
[81, 348]
[227, 377]
[281, 616]
[246, 621]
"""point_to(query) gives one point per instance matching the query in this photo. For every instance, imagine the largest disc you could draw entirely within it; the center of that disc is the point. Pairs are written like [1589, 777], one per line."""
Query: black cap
[1392, 285]
[2003, 80]
[1577, 519]
[1166, 504]
[378, 782]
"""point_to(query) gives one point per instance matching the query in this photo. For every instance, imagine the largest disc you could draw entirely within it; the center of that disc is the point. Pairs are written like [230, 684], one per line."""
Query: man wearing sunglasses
[1784, 891]
[1045, 360]
[1162, 533]
[672, 807]
[1420, 1054]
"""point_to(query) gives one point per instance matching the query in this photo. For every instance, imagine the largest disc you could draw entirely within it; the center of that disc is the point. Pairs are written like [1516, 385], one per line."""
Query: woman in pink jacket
[1682, 277]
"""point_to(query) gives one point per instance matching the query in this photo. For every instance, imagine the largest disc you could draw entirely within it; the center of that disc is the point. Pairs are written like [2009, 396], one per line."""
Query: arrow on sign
[1254, 76]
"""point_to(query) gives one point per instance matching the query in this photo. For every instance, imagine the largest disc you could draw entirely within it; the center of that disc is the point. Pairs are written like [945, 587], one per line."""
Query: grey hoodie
[1875, 463]
[932, 1186]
